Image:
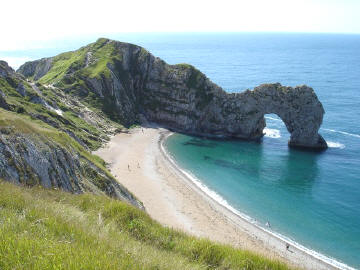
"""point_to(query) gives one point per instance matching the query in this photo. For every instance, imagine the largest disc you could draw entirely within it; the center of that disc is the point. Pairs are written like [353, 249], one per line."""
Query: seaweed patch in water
[200, 143]
[239, 167]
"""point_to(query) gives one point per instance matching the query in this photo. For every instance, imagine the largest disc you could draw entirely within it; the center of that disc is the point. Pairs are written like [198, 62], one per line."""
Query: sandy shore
[138, 162]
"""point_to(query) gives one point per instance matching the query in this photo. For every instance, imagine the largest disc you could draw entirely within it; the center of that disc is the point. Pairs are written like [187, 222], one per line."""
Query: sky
[31, 24]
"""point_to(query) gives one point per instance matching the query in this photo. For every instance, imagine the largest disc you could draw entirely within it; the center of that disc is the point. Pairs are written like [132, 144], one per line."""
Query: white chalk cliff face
[140, 86]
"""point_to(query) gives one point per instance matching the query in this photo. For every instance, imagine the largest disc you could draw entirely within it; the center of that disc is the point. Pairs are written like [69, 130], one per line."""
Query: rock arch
[298, 107]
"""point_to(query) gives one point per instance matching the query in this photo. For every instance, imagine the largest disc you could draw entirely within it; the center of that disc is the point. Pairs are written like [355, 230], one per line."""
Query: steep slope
[130, 85]
[42, 229]
[36, 147]
[52, 105]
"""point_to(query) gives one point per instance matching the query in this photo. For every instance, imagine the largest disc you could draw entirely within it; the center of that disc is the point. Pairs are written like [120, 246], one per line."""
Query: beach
[139, 161]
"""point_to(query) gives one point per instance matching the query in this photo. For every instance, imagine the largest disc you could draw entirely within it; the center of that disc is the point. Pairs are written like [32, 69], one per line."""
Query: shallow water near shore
[303, 195]
[312, 198]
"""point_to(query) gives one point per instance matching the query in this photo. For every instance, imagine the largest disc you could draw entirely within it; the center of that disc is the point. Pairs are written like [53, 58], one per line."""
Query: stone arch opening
[275, 128]
[298, 108]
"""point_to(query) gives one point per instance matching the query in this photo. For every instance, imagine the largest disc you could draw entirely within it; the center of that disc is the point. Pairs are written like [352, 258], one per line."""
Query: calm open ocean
[312, 198]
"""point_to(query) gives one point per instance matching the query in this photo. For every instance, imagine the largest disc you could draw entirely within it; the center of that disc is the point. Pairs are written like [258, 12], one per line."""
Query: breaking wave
[335, 145]
[272, 133]
[342, 132]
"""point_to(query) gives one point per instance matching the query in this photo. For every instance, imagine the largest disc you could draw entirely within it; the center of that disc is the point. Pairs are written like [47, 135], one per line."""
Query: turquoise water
[313, 198]
[304, 196]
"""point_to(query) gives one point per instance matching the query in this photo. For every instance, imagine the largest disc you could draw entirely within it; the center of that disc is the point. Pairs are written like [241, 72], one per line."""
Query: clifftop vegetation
[50, 229]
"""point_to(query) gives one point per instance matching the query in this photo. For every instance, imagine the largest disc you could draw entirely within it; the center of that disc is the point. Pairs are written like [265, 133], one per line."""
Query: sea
[312, 199]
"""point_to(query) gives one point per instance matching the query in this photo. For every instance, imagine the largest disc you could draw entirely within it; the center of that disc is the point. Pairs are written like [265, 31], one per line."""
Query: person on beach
[287, 246]
[128, 167]
[267, 224]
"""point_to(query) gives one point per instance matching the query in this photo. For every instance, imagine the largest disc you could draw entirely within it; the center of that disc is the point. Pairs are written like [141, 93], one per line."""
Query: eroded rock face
[182, 98]
[3, 103]
[33, 160]
[5, 69]
[37, 68]
[205, 109]
[30, 156]
[298, 107]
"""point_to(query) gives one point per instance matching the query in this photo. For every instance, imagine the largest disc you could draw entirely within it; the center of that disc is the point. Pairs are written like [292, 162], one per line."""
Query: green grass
[70, 73]
[62, 63]
[90, 135]
[84, 131]
[8, 87]
[50, 229]
[195, 74]
[102, 53]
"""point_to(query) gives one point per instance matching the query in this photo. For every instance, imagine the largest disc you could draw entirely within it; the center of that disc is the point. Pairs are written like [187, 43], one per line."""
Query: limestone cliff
[39, 68]
[37, 149]
[31, 159]
[131, 85]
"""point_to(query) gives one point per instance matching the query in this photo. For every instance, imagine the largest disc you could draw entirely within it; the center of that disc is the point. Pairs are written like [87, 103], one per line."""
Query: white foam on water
[342, 132]
[219, 199]
[326, 129]
[272, 118]
[272, 133]
[335, 145]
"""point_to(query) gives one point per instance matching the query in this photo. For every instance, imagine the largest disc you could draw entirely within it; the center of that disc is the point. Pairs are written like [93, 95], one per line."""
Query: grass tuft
[50, 229]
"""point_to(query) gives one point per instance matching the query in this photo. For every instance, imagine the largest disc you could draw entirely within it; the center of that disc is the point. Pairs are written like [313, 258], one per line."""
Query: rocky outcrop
[3, 103]
[37, 154]
[189, 102]
[298, 107]
[137, 85]
[5, 69]
[30, 159]
[36, 69]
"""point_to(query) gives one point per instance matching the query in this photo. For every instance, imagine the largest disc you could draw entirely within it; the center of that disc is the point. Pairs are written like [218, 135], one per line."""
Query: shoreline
[184, 203]
[234, 214]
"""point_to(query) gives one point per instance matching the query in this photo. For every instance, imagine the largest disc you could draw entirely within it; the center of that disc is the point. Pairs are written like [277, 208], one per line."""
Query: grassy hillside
[50, 229]
[90, 133]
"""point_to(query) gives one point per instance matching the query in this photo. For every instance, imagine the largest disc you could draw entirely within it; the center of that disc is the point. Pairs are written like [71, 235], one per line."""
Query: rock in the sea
[135, 85]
